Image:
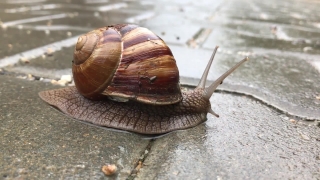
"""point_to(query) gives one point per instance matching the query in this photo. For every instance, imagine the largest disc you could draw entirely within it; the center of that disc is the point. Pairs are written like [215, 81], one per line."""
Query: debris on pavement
[109, 169]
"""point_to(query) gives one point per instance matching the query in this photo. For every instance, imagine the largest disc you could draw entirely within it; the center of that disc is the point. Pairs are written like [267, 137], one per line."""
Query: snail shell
[126, 61]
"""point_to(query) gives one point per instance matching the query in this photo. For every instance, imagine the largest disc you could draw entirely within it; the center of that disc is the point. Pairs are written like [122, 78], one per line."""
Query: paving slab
[248, 141]
[38, 142]
[282, 46]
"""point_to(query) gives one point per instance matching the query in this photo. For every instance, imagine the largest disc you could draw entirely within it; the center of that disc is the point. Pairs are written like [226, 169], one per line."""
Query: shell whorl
[126, 61]
[93, 74]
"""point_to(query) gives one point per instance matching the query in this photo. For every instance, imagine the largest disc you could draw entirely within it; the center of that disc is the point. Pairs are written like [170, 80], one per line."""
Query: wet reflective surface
[39, 143]
[283, 47]
[262, 143]
[281, 39]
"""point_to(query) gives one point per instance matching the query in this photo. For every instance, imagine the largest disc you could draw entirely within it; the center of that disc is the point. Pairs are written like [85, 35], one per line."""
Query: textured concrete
[270, 113]
[248, 141]
[38, 142]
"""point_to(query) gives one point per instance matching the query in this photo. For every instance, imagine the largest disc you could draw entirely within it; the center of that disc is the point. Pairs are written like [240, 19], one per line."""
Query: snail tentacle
[213, 113]
[203, 80]
[209, 90]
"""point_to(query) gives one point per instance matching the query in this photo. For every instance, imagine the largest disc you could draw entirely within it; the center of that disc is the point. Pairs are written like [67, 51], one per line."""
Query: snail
[127, 78]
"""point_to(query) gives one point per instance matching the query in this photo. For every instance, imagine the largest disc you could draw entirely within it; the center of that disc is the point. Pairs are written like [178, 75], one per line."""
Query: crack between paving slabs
[140, 161]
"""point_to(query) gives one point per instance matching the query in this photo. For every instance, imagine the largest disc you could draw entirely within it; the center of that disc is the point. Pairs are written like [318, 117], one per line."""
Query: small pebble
[59, 82]
[292, 120]
[47, 32]
[30, 77]
[139, 166]
[304, 136]
[67, 78]
[306, 49]
[109, 169]
[4, 27]
[55, 82]
[49, 51]
[62, 82]
[24, 60]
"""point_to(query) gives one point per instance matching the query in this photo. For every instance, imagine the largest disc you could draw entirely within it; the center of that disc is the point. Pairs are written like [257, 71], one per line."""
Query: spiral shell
[126, 61]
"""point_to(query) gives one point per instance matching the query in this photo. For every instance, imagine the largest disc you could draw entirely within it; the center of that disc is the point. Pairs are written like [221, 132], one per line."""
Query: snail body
[149, 101]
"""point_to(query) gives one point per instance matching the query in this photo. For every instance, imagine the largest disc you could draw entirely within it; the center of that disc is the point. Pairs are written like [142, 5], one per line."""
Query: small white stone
[67, 78]
[305, 137]
[306, 49]
[49, 51]
[24, 60]
[62, 82]
[54, 82]
[47, 32]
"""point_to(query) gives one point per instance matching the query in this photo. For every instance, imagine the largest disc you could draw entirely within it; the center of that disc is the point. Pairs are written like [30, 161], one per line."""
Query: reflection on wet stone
[263, 106]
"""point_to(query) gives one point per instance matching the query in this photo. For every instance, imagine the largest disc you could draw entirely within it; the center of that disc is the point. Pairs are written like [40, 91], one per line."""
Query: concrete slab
[248, 141]
[281, 44]
[38, 142]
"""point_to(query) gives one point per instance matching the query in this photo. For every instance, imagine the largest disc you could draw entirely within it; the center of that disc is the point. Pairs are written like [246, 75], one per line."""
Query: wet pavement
[269, 108]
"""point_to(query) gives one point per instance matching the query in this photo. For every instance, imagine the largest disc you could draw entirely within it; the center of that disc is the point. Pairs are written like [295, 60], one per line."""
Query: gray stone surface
[264, 137]
[281, 40]
[38, 142]
[248, 141]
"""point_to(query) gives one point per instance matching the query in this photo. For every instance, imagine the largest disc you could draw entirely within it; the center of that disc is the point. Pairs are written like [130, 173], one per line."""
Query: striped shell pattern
[126, 61]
